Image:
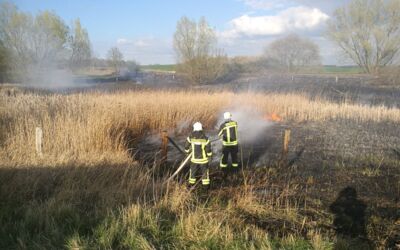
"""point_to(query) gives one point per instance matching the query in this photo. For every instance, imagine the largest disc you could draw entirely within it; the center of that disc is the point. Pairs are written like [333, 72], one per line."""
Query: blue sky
[143, 30]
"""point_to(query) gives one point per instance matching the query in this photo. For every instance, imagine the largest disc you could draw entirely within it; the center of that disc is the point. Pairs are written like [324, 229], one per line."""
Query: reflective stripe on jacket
[200, 146]
[228, 131]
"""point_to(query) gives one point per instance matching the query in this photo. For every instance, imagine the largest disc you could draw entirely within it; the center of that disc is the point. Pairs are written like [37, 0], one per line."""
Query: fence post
[336, 79]
[39, 141]
[164, 146]
[285, 149]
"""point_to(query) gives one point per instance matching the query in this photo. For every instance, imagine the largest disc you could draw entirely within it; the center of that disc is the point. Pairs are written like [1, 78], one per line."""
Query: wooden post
[286, 140]
[39, 141]
[336, 79]
[292, 78]
[164, 146]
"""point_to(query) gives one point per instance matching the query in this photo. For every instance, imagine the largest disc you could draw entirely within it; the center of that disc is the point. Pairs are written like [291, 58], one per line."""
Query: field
[101, 183]
[326, 69]
[159, 67]
[342, 69]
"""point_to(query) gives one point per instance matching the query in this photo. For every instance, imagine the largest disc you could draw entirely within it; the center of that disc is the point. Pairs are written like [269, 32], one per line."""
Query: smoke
[41, 49]
[251, 124]
[182, 127]
[253, 130]
[52, 79]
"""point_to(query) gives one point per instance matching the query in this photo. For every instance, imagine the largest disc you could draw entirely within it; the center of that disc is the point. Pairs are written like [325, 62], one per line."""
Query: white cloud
[142, 43]
[290, 20]
[327, 6]
[249, 33]
[123, 41]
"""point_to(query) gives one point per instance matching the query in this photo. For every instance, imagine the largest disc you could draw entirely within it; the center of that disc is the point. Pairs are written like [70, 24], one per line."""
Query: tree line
[366, 31]
[34, 44]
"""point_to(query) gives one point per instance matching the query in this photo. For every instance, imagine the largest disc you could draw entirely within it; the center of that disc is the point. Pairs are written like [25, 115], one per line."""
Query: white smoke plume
[182, 126]
[52, 79]
[253, 129]
[251, 124]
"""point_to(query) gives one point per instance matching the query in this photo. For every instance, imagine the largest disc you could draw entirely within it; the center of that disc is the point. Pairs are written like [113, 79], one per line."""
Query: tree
[4, 59]
[195, 46]
[13, 29]
[33, 43]
[115, 60]
[292, 53]
[50, 38]
[368, 32]
[80, 47]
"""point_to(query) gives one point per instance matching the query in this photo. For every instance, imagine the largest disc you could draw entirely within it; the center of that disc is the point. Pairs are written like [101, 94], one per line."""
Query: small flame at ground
[273, 117]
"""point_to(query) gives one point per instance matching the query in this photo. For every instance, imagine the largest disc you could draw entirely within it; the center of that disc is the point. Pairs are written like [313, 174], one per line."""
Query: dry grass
[126, 208]
[91, 128]
[89, 194]
[94, 128]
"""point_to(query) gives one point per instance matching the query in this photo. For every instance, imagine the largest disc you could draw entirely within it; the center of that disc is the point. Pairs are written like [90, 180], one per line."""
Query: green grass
[333, 69]
[327, 69]
[52, 225]
[159, 67]
[85, 208]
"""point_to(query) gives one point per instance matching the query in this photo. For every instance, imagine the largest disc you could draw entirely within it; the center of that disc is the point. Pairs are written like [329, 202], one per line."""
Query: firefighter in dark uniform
[228, 132]
[199, 145]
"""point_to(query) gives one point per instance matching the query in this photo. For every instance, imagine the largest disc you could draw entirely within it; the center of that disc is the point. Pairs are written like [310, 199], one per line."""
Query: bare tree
[115, 60]
[33, 43]
[368, 32]
[292, 53]
[80, 47]
[195, 46]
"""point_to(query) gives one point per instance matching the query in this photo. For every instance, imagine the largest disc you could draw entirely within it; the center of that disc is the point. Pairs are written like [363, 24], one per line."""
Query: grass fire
[208, 150]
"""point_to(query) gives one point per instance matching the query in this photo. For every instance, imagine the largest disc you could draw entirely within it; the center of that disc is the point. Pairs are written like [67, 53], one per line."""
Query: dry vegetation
[88, 192]
[93, 127]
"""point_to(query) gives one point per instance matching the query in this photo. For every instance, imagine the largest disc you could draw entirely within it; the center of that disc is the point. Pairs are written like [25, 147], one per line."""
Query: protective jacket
[228, 133]
[200, 146]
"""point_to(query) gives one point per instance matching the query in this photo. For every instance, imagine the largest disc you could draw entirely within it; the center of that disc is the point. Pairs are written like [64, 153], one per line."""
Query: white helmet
[227, 115]
[197, 126]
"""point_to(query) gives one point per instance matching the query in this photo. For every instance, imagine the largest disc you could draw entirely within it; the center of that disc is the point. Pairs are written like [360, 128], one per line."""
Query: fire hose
[180, 167]
[175, 145]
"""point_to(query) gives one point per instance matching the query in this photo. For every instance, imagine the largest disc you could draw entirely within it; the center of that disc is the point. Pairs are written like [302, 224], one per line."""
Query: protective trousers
[233, 152]
[197, 171]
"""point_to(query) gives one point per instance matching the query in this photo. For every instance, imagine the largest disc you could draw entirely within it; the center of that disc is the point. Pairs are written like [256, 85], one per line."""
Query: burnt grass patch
[325, 161]
[361, 89]
[325, 158]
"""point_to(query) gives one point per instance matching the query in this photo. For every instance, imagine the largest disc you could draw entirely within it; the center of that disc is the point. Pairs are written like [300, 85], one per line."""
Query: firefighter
[228, 132]
[199, 145]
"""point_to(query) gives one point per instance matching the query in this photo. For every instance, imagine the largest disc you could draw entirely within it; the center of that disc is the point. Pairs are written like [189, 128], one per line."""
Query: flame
[273, 117]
